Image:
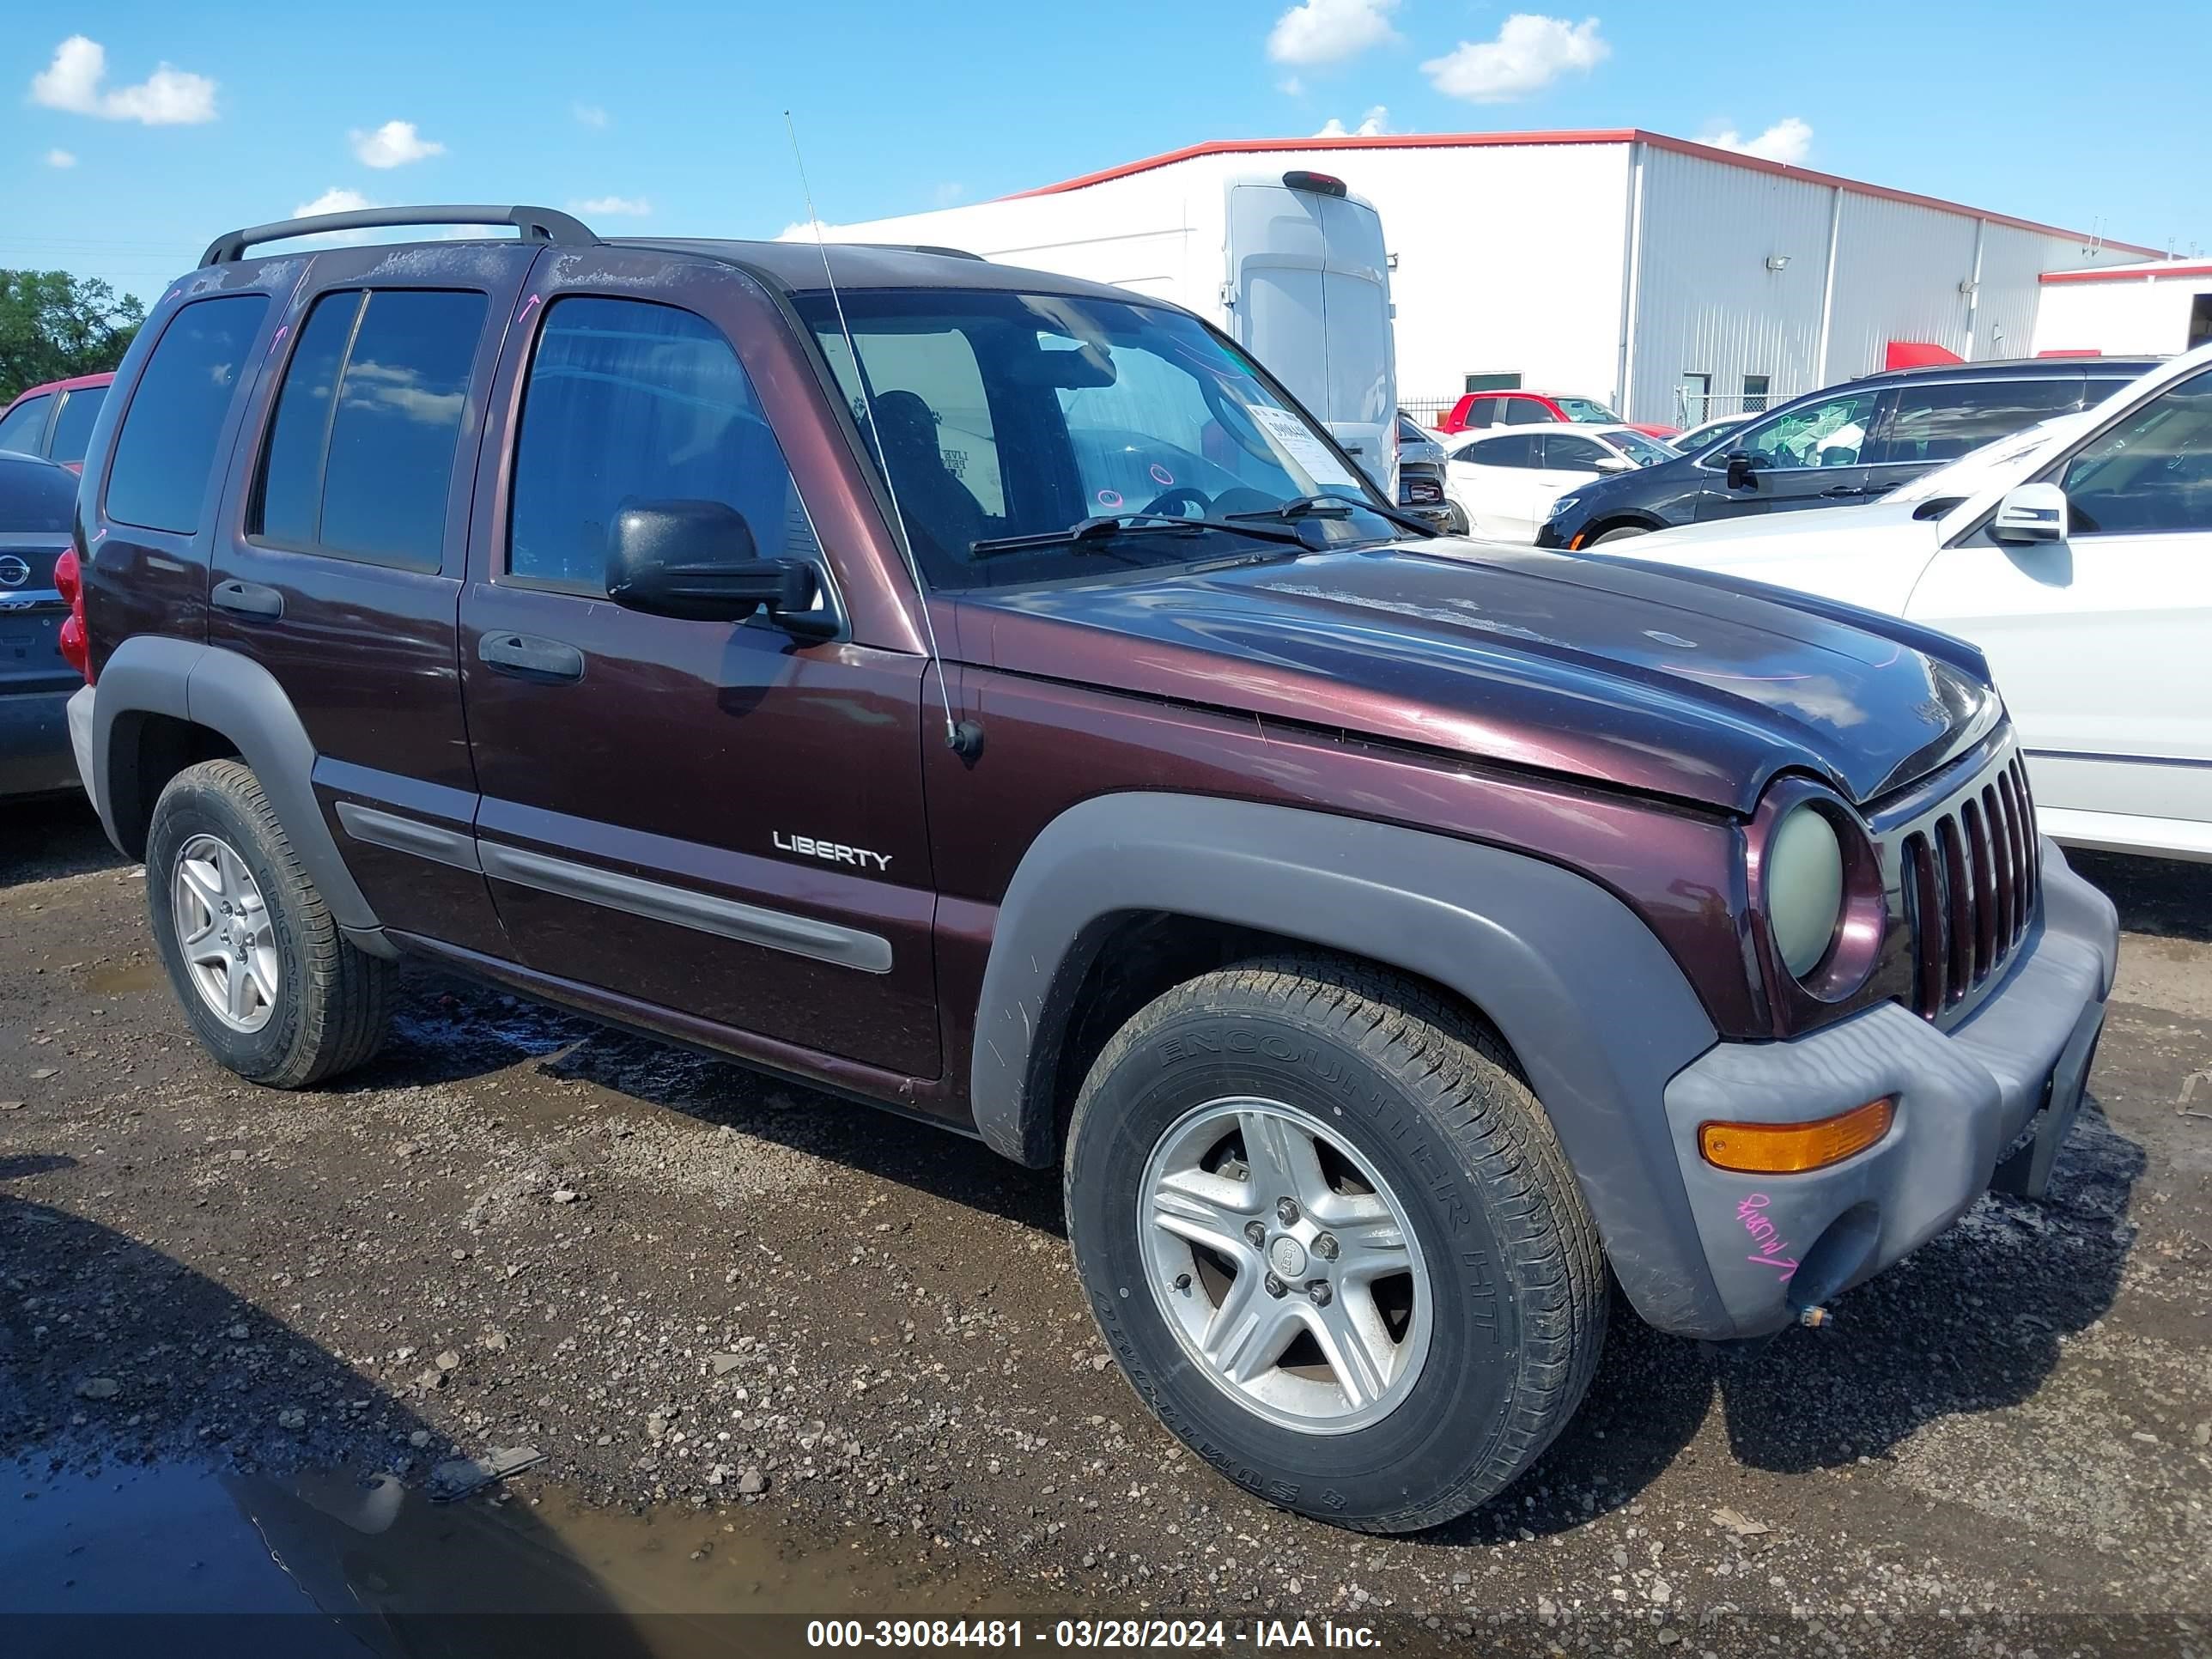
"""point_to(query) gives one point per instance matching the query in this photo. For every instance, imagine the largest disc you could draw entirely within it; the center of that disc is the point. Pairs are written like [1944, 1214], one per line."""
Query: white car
[2078, 556]
[1506, 478]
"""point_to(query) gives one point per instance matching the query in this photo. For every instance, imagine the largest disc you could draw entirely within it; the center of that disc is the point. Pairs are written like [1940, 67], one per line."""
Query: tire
[330, 1002]
[1620, 534]
[1414, 1102]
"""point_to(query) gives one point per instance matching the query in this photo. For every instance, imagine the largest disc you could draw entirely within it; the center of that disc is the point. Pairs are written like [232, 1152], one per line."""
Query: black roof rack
[537, 224]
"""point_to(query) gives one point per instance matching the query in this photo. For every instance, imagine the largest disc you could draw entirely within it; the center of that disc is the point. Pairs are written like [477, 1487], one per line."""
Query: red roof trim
[1591, 135]
[2126, 273]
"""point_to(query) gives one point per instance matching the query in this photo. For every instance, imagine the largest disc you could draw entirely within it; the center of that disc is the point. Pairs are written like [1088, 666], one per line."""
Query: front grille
[1972, 871]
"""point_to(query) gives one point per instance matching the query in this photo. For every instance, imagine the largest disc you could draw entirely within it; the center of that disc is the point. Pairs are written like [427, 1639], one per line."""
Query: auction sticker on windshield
[1297, 440]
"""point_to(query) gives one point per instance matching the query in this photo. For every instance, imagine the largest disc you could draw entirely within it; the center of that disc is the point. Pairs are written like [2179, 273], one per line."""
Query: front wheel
[1330, 1237]
[1620, 534]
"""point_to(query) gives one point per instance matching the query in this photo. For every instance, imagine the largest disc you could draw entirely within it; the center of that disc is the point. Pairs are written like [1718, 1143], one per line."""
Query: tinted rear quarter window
[159, 478]
[35, 497]
[73, 426]
[25, 424]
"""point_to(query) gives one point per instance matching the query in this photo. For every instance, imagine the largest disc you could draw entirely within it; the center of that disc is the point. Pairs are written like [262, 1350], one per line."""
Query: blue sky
[134, 132]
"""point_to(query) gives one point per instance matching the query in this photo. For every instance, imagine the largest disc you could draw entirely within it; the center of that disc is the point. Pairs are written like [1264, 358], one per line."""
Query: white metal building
[2162, 305]
[1620, 264]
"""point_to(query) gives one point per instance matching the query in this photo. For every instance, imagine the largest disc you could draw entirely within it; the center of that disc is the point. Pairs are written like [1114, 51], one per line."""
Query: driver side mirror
[1616, 464]
[697, 561]
[2031, 512]
[1742, 473]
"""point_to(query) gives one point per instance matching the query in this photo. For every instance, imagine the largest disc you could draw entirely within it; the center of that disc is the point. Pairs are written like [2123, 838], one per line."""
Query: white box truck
[1291, 265]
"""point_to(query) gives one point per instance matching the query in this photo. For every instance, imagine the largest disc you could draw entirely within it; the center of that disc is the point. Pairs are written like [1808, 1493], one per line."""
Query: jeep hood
[1679, 683]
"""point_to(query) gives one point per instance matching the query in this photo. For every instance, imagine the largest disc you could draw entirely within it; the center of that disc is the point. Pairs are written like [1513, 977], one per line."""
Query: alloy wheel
[1284, 1265]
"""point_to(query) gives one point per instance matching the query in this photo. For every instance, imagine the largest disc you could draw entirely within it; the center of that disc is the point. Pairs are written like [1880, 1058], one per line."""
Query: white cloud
[167, 97]
[1291, 87]
[1329, 31]
[1529, 53]
[336, 199]
[589, 115]
[806, 230]
[613, 207]
[60, 158]
[394, 144]
[1373, 124]
[947, 193]
[1789, 140]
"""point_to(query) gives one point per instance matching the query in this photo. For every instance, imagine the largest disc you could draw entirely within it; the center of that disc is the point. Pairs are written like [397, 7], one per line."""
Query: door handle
[528, 657]
[248, 599]
[1840, 491]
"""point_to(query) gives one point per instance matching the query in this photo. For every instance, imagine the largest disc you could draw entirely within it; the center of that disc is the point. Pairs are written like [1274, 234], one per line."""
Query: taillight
[75, 643]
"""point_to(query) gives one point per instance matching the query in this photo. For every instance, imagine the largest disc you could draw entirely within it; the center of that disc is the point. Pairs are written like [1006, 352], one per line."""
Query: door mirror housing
[697, 560]
[1742, 473]
[1616, 464]
[2031, 512]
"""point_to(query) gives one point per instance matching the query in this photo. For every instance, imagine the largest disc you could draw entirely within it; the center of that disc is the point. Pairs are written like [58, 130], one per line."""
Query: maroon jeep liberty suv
[990, 696]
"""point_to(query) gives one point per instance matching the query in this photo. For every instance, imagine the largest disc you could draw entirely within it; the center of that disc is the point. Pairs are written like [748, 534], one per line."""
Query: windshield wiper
[1106, 527]
[1336, 507]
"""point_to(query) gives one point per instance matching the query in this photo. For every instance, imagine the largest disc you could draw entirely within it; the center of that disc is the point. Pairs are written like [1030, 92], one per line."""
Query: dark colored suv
[986, 694]
[1853, 442]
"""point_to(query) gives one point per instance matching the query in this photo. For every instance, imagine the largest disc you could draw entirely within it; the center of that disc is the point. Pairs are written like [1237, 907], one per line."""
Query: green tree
[53, 326]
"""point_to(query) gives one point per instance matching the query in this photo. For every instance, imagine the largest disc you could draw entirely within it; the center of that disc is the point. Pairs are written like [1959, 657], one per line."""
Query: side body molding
[1590, 1001]
[226, 692]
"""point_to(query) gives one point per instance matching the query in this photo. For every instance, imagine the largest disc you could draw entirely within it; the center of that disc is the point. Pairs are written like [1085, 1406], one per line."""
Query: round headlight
[1803, 877]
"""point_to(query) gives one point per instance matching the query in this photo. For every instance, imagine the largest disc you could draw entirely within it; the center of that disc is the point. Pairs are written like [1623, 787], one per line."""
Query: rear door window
[629, 400]
[1526, 411]
[73, 425]
[159, 478]
[1941, 422]
[26, 424]
[359, 459]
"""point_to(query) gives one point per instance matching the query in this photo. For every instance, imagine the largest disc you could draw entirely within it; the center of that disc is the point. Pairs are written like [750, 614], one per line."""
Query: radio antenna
[964, 738]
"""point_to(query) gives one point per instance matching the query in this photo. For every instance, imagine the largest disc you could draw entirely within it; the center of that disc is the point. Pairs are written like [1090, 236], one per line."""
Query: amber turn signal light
[1794, 1148]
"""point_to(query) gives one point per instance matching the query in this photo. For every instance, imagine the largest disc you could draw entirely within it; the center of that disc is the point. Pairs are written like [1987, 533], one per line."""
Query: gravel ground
[696, 1289]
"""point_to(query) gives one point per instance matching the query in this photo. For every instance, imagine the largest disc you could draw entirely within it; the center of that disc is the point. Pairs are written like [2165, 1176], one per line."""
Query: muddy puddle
[178, 1559]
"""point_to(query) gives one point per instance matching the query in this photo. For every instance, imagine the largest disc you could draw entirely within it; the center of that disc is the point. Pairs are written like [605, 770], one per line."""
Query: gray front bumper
[1776, 1244]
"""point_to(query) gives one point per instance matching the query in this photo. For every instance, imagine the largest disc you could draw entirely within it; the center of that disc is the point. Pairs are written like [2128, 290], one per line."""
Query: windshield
[1010, 415]
[1642, 450]
[1583, 411]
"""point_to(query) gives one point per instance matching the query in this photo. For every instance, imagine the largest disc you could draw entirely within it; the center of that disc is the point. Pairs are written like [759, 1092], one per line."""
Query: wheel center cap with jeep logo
[1286, 1256]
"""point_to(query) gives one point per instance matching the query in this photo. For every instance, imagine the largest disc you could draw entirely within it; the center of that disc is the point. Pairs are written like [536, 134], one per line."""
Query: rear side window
[159, 478]
[35, 500]
[1942, 422]
[629, 400]
[360, 458]
[73, 426]
[24, 425]
[1525, 411]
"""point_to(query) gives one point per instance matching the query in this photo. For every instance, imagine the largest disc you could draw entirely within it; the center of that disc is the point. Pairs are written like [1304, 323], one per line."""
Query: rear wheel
[272, 988]
[1620, 533]
[1329, 1236]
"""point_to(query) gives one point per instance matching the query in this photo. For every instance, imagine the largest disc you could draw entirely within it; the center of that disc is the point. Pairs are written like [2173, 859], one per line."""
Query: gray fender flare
[1597, 1012]
[234, 695]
